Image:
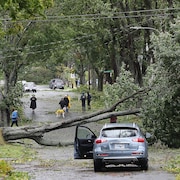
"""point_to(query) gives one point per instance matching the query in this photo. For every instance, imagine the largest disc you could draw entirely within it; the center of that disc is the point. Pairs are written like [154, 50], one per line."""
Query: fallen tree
[36, 132]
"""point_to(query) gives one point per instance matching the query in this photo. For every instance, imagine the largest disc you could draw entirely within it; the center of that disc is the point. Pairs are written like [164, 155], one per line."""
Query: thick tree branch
[36, 133]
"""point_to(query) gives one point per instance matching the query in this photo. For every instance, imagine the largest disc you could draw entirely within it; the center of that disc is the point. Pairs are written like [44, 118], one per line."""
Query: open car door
[83, 143]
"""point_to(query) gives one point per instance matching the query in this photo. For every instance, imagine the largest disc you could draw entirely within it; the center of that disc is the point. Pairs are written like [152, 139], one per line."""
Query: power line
[36, 52]
[55, 43]
[103, 16]
[117, 13]
[61, 41]
[86, 15]
[47, 44]
[161, 16]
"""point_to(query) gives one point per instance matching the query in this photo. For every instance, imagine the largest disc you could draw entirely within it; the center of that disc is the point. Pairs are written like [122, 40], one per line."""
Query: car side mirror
[148, 135]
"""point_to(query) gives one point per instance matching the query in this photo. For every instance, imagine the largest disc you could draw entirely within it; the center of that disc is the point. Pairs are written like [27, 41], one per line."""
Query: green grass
[14, 154]
[173, 166]
[16, 151]
[168, 159]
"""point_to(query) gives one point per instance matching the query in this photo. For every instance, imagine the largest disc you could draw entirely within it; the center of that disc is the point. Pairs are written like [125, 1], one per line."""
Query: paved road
[47, 103]
[53, 163]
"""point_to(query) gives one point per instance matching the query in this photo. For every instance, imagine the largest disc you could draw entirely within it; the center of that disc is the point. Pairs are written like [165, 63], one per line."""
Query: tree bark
[36, 133]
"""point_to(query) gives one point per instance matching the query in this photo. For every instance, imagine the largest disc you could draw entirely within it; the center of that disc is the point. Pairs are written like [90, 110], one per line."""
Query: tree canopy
[162, 105]
[98, 37]
[25, 9]
[13, 49]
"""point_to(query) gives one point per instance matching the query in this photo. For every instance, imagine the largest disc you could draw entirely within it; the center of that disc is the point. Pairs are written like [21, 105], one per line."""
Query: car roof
[29, 83]
[128, 125]
[56, 79]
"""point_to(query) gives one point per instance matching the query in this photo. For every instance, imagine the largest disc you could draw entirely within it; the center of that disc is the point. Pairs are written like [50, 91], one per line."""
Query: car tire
[98, 165]
[144, 165]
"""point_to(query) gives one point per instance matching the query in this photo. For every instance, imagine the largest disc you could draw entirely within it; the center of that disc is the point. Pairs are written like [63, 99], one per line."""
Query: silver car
[117, 144]
[29, 86]
[56, 84]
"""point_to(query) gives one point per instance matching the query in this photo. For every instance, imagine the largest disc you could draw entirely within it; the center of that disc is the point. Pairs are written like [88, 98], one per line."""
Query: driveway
[52, 163]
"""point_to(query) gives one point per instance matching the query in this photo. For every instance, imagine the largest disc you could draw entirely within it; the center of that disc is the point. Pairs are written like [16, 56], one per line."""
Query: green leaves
[161, 107]
[123, 87]
[25, 9]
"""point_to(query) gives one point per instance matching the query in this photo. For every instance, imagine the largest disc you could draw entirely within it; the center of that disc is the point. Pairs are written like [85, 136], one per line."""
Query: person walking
[66, 100]
[83, 100]
[62, 103]
[33, 100]
[14, 117]
[89, 100]
[69, 104]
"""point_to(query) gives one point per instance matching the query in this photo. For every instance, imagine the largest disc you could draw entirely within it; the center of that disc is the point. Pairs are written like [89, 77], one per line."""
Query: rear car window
[119, 133]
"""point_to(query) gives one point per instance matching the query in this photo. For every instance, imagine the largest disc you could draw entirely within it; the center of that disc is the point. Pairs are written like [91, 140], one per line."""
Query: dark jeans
[89, 105]
[14, 122]
[83, 108]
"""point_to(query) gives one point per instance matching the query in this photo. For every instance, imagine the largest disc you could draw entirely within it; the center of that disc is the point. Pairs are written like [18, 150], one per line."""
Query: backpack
[83, 97]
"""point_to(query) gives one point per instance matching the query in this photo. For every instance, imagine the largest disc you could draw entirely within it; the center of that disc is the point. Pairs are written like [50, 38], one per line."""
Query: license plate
[119, 146]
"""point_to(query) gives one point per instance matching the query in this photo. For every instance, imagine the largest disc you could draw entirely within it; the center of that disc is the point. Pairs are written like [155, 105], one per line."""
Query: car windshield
[119, 132]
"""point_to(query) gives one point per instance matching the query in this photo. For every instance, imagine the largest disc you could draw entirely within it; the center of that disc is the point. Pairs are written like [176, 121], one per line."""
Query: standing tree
[13, 48]
[162, 105]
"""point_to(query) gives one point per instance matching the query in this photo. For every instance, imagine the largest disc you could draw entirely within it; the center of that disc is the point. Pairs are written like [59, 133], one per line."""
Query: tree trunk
[100, 81]
[36, 132]
[100, 75]
[93, 78]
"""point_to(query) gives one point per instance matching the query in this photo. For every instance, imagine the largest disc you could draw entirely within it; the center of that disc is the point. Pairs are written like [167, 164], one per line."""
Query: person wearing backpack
[14, 117]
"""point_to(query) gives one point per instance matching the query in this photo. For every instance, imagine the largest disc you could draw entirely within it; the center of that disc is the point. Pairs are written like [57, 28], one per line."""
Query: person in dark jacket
[33, 105]
[83, 100]
[62, 103]
[88, 100]
[66, 100]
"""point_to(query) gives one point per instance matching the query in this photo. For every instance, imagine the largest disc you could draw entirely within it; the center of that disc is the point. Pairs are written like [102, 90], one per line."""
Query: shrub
[5, 168]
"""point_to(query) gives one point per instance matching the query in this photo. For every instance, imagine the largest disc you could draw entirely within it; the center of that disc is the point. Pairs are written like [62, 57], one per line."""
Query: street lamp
[142, 27]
